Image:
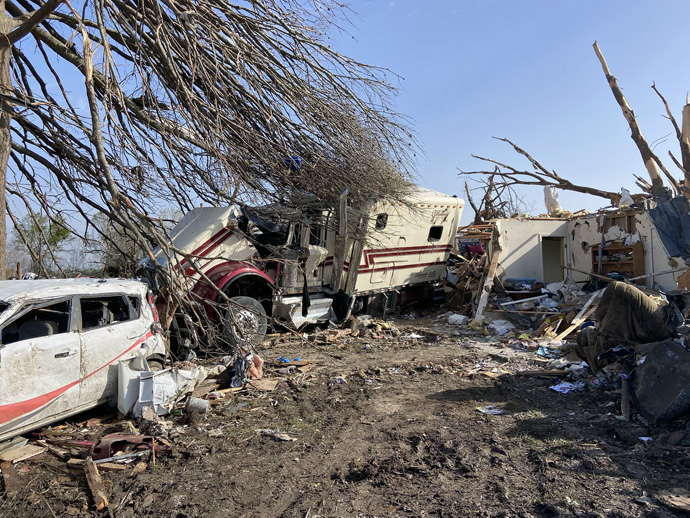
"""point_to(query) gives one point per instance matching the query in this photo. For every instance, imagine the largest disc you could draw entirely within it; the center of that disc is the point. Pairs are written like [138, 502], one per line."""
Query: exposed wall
[584, 234]
[522, 256]
[520, 242]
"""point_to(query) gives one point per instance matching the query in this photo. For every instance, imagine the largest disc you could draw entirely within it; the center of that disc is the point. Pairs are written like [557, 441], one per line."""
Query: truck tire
[246, 323]
[155, 364]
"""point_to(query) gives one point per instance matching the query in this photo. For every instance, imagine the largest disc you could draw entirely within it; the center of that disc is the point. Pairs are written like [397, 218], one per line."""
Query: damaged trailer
[309, 264]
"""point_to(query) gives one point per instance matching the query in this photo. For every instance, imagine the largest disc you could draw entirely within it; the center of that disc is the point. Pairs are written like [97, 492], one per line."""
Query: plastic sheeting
[672, 222]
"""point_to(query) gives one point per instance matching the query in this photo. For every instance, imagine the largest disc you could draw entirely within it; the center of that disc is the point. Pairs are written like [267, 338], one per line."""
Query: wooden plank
[229, 390]
[13, 443]
[105, 466]
[22, 453]
[58, 452]
[677, 499]
[205, 388]
[581, 316]
[488, 283]
[265, 384]
[10, 480]
[95, 483]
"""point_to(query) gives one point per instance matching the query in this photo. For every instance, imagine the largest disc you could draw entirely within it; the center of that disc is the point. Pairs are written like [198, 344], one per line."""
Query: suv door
[39, 365]
[111, 329]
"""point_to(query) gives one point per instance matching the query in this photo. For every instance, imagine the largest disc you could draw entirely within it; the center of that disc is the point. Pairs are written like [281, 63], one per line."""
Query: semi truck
[311, 263]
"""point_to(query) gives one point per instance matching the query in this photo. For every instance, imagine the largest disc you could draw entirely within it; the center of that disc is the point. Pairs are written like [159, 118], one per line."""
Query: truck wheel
[246, 323]
[155, 364]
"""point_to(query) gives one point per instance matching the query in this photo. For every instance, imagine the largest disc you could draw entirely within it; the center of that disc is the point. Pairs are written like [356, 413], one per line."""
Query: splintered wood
[9, 478]
[584, 313]
[95, 483]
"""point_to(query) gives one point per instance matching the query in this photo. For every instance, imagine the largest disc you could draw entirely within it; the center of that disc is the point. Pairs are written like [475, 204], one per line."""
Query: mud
[388, 428]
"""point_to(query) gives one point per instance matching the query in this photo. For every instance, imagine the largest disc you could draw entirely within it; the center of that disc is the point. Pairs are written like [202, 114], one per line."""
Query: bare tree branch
[540, 176]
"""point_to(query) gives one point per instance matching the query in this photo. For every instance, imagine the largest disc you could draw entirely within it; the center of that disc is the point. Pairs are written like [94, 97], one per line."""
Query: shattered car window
[42, 321]
[103, 311]
[136, 305]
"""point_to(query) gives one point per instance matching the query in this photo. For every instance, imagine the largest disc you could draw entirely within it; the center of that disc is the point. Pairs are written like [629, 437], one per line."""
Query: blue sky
[526, 70]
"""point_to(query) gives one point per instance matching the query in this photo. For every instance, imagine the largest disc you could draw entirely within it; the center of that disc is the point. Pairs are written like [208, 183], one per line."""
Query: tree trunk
[11, 30]
[635, 133]
[5, 141]
[685, 145]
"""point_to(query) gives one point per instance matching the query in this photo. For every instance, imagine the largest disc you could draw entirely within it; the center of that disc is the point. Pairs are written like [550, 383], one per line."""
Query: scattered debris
[491, 410]
[565, 386]
[277, 435]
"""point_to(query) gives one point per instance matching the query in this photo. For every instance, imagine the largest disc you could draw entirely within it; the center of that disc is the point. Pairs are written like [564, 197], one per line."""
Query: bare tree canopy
[193, 102]
[504, 176]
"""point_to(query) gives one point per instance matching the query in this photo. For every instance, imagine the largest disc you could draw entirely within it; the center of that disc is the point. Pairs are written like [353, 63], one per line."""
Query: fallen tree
[183, 104]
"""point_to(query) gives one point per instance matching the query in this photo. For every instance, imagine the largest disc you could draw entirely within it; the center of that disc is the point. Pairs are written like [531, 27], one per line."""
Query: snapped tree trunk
[635, 133]
[685, 145]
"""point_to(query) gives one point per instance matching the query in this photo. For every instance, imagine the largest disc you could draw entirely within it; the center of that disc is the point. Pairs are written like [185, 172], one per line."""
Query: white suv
[60, 344]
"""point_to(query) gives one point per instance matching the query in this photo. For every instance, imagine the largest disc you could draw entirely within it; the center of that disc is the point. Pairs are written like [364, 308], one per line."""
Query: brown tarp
[626, 316]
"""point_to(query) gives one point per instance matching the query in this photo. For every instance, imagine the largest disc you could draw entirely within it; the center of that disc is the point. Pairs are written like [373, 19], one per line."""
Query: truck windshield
[265, 231]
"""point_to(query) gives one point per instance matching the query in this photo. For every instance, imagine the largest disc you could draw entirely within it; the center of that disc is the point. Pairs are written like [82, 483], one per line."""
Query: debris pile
[116, 442]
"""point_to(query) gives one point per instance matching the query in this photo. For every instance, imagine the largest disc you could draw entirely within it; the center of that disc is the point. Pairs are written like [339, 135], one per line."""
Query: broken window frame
[431, 237]
[36, 305]
[134, 315]
[135, 301]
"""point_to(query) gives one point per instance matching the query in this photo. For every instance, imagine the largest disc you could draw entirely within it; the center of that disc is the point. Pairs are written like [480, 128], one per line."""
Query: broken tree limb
[685, 144]
[648, 157]
[539, 176]
[93, 479]
[489, 282]
[683, 136]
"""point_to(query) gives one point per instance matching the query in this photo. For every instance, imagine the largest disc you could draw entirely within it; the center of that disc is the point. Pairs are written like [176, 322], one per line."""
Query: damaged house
[617, 280]
[549, 250]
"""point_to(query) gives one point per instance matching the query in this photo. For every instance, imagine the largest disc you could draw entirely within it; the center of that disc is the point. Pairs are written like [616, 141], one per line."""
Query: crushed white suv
[60, 344]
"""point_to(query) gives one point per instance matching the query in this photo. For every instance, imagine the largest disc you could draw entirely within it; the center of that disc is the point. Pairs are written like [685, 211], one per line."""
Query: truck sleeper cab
[314, 263]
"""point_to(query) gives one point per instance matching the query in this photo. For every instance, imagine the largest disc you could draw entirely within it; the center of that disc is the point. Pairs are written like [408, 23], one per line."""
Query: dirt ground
[384, 428]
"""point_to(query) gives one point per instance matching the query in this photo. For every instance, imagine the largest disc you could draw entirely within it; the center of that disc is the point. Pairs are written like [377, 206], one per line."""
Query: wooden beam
[9, 478]
[581, 316]
[489, 281]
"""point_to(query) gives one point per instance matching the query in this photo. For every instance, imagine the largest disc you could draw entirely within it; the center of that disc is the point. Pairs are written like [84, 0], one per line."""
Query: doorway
[552, 258]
